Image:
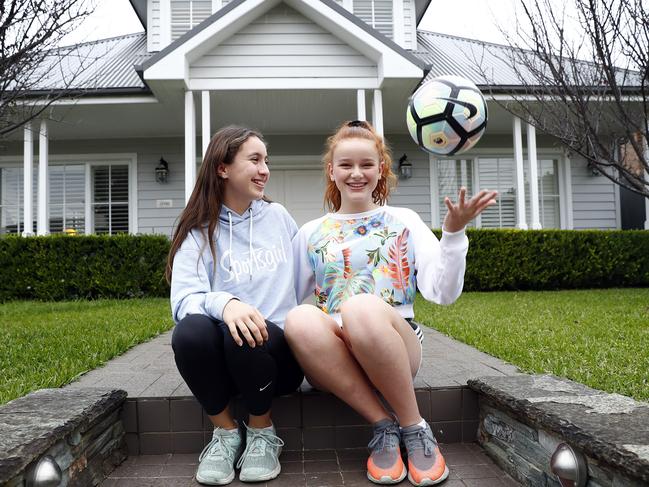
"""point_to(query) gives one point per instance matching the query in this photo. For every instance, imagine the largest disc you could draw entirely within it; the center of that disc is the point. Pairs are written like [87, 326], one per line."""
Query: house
[293, 69]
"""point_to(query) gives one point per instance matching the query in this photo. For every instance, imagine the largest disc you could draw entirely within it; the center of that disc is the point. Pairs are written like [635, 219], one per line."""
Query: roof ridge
[468, 39]
[97, 41]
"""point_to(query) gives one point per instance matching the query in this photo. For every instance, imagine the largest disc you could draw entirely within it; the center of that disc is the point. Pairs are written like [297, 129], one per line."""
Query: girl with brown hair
[230, 268]
[364, 262]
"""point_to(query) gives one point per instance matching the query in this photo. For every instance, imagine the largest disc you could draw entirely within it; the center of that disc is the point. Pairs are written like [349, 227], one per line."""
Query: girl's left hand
[460, 214]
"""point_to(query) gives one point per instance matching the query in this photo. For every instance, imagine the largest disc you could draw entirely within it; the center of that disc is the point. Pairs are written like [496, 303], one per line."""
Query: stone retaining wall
[81, 429]
[524, 418]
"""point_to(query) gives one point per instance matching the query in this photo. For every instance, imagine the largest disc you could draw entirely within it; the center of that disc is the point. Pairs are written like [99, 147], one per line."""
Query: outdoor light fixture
[569, 466]
[46, 473]
[161, 171]
[405, 168]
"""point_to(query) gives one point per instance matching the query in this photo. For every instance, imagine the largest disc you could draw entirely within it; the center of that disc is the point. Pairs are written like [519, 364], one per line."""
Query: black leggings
[215, 368]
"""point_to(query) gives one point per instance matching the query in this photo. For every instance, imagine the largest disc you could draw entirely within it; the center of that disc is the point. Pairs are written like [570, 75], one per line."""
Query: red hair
[359, 129]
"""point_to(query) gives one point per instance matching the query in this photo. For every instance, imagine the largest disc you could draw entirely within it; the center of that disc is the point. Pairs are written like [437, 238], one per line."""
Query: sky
[475, 19]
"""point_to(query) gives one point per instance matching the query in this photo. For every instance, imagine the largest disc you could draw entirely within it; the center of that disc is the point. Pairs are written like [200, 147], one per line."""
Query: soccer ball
[447, 115]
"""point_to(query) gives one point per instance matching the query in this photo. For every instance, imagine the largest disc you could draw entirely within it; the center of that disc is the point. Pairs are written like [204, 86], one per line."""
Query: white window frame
[90, 160]
[557, 154]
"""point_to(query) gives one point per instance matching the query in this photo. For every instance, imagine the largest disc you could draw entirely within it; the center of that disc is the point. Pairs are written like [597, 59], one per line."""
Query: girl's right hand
[245, 320]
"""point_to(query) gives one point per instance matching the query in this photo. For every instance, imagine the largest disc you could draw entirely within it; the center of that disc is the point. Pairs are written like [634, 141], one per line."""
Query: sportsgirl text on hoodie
[254, 263]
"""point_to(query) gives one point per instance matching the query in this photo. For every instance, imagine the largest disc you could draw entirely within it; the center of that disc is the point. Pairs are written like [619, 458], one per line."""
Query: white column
[28, 181]
[205, 126]
[190, 144]
[377, 112]
[567, 179]
[398, 22]
[360, 105]
[43, 225]
[165, 23]
[520, 179]
[534, 177]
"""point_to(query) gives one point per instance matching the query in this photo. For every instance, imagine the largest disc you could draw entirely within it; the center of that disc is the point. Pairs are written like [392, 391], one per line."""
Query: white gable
[283, 44]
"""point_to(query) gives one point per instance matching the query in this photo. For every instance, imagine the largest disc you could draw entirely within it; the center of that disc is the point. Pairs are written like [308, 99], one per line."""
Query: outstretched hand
[460, 214]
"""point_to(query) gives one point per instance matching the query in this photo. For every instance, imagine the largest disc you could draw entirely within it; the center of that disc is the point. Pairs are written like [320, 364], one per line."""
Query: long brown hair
[206, 201]
[359, 129]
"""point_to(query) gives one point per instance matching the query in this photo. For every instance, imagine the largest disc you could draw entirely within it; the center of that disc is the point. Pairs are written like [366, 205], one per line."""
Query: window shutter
[376, 13]
[110, 201]
[499, 174]
[67, 198]
[452, 174]
[187, 14]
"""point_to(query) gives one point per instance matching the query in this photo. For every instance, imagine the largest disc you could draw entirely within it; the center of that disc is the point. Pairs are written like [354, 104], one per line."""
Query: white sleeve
[191, 292]
[304, 272]
[441, 264]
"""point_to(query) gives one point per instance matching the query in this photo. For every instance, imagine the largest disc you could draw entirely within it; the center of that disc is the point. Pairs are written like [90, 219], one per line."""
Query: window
[67, 198]
[110, 199]
[376, 13]
[187, 14]
[548, 194]
[12, 213]
[499, 174]
[452, 174]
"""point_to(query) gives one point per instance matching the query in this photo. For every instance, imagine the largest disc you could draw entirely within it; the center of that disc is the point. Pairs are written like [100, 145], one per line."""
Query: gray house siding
[594, 199]
[283, 44]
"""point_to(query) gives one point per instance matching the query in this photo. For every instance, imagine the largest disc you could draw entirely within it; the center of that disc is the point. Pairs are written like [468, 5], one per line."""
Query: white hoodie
[254, 263]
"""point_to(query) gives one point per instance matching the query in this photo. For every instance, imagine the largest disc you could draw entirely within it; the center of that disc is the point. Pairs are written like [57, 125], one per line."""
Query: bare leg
[312, 335]
[224, 419]
[262, 421]
[387, 349]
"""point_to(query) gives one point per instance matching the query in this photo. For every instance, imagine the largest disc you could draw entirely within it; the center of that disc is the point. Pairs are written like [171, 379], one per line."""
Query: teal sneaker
[260, 459]
[217, 459]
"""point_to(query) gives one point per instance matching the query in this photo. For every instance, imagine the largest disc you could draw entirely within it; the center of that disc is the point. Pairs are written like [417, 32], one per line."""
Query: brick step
[305, 420]
[467, 462]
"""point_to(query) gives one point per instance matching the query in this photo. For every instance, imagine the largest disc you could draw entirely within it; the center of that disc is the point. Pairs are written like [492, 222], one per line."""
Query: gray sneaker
[426, 465]
[385, 466]
[217, 459]
[260, 459]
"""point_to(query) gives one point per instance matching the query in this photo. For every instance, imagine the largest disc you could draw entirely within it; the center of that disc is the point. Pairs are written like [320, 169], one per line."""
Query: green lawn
[49, 344]
[596, 337]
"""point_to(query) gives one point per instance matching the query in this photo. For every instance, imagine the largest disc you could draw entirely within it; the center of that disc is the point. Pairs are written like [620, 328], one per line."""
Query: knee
[298, 323]
[190, 333]
[360, 307]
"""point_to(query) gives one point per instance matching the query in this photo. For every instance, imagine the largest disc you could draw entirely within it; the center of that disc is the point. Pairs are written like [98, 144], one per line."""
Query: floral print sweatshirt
[387, 251]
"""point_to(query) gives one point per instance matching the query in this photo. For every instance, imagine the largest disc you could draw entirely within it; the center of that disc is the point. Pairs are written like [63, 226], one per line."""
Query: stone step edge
[534, 415]
[51, 420]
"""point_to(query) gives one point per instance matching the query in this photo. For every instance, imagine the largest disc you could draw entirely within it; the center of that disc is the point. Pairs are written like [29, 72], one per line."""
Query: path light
[569, 466]
[46, 473]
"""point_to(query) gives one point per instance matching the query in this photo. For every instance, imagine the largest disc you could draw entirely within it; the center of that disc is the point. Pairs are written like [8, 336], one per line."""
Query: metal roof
[492, 65]
[104, 66]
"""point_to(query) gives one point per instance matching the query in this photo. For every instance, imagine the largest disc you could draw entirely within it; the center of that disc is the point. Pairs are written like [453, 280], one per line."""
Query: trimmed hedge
[87, 267]
[62, 267]
[556, 259]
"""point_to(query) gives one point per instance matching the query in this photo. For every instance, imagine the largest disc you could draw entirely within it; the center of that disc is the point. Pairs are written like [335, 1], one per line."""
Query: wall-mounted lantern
[405, 168]
[162, 171]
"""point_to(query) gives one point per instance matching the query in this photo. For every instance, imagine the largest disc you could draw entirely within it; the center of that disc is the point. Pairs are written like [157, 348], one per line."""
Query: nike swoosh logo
[473, 110]
[262, 388]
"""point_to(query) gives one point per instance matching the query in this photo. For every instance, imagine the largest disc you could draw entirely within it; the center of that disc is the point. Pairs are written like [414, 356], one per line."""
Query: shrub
[61, 267]
[556, 259]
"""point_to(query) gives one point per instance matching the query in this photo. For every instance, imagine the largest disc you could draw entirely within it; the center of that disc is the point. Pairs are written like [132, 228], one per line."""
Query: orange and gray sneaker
[385, 466]
[426, 465]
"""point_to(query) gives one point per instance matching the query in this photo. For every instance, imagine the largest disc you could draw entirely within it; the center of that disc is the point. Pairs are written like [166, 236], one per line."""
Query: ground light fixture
[569, 466]
[46, 473]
